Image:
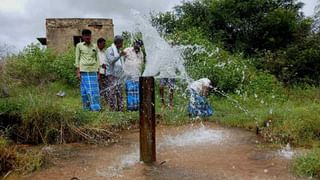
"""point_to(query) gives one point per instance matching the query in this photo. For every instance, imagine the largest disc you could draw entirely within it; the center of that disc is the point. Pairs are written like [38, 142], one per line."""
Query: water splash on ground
[286, 152]
[195, 136]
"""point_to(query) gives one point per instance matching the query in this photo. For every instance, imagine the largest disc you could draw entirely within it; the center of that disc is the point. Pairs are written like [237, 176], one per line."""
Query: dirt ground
[193, 151]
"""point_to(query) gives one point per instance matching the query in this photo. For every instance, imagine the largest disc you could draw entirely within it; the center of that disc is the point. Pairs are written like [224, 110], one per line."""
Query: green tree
[242, 25]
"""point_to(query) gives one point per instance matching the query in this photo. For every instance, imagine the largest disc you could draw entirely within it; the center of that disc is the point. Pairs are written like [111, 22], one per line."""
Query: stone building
[63, 33]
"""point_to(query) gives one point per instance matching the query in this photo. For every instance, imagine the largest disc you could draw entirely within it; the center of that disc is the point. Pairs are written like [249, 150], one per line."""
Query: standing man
[133, 67]
[101, 43]
[87, 65]
[167, 80]
[114, 74]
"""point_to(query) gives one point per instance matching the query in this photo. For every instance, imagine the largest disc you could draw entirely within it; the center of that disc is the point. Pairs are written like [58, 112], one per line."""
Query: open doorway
[76, 40]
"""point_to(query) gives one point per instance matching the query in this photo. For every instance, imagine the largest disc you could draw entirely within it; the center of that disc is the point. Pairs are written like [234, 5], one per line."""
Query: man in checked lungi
[133, 63]
[115, 74]
[198, 105]
[87, 65]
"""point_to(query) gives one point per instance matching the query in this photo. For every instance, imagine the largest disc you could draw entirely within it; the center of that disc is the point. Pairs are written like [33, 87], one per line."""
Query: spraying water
[164, 60]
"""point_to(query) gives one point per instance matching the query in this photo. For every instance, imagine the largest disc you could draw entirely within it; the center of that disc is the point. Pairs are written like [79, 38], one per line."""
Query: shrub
[36, 66]
[298, 63]
[308, 164]
[31, 66]
[11, 158]
[63, 67]
[203, 59]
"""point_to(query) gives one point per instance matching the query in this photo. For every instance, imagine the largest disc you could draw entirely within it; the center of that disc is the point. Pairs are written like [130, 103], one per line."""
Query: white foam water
[286, 152]
[202, 135]
[125, 161]
[164, 60]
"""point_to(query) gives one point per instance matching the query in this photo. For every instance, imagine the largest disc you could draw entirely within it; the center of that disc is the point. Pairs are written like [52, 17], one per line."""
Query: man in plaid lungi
[198, 105]
[89, 89]
[114, 74]
[132, 67]
[133, 98]
[87, 71]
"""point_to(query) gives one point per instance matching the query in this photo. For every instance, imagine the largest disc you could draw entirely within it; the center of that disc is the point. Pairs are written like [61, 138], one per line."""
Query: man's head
[86, 36]
[118, 41]
[206, 86]
[137, 45]
[101, 43]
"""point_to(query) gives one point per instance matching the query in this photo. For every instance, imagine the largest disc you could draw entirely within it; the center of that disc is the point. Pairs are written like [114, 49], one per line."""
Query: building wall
[61, 32]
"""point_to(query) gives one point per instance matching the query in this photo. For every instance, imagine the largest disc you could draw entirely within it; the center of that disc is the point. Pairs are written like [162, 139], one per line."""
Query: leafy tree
[242, 25]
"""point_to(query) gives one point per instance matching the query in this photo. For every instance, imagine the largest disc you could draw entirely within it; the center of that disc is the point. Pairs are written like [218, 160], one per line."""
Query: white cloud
[12, 6]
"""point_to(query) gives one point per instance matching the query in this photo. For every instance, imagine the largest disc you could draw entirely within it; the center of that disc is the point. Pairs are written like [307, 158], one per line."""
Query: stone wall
[61, 32]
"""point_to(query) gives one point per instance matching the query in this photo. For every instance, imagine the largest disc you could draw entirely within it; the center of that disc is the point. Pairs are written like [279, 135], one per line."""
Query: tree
[242, 25]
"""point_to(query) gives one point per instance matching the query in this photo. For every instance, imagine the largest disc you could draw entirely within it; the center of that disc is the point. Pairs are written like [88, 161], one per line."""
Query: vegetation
[255, 28]
[263, 57]
[309, 164]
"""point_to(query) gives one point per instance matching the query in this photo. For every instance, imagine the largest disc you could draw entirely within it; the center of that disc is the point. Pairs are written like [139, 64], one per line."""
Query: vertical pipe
[147, 120]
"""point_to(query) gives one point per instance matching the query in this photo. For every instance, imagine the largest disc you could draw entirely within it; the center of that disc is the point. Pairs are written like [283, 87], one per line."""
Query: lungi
[133, 97]
[198, 106]
[89, 89]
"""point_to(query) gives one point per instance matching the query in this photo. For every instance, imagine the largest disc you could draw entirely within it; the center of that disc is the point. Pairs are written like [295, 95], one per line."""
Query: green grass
[308, 164]
[19, 159]
[293, 114]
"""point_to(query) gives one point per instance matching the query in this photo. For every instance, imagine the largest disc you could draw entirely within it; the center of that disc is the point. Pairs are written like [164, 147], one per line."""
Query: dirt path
[187, 152]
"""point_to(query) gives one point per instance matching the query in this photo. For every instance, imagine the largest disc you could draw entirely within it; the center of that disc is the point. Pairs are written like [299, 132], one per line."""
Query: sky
[22, 21]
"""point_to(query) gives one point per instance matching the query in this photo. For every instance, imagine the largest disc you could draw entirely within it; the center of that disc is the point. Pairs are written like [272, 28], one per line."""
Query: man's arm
[111, 59]
[77, 61]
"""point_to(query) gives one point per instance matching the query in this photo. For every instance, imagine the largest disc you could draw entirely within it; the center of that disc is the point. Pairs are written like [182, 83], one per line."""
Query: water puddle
[186, 152]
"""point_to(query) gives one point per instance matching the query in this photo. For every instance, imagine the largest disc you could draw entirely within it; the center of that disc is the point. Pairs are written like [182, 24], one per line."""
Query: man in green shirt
[87, 65]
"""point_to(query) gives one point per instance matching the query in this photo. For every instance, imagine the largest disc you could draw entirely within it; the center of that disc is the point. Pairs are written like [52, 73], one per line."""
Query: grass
[308, 164]
[282, 117]
[18, 159]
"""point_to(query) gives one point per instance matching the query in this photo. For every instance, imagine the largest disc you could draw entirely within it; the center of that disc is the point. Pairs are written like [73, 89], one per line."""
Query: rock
[61, 94]
[4, 92]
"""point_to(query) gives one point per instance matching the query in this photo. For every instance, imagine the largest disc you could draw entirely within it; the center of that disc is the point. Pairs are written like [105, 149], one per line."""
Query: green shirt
[86, 57]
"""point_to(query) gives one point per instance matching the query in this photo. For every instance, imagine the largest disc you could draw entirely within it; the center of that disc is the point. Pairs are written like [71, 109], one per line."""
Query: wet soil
[193, 151]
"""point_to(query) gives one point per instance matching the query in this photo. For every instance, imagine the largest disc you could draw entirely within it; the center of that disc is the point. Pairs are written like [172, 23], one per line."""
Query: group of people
[103, 71]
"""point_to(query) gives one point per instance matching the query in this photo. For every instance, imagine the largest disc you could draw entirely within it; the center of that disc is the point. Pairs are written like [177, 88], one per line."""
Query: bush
[64, 69]
[308, 165]
[31, 66]
[36, 66]
[203, 59]
[11, 158]
[299, 63]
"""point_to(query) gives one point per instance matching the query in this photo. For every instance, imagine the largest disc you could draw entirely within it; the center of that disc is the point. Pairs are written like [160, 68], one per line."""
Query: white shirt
[133, 63]
[200, 84]
[103, 60]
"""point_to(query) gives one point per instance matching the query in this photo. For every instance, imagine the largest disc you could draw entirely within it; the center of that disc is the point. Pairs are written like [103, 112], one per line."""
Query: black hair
[139, 42]
[86, 32]
[101, 40]
[118, 38]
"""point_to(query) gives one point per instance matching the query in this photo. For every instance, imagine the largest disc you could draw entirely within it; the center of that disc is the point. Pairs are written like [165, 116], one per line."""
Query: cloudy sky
[22, 21]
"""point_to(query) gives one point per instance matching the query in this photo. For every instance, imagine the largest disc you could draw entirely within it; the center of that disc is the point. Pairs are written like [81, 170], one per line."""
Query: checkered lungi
[133, 97]
[198, 106]
[169, 82]
[89, 88]
[114, 93]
